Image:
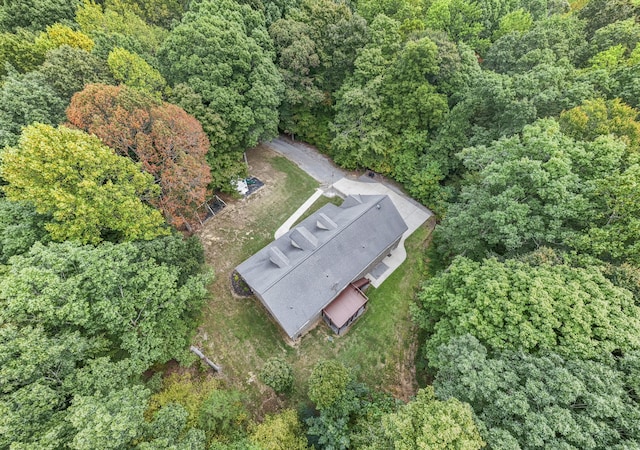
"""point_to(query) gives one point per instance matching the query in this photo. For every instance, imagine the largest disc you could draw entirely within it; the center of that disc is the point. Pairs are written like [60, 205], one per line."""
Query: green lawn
[239, 334]
[379, 347]
[295, 190]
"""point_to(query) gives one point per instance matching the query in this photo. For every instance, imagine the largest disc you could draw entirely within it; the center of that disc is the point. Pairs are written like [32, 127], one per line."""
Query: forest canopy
[515, 121]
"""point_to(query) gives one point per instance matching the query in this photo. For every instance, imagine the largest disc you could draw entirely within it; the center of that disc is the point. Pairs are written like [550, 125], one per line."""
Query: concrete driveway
[336, 181]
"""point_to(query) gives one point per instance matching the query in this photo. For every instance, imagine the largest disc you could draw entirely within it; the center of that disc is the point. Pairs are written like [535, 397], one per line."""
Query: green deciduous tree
[135, 72]
[25, 99]
[168, 430]
[67, 70]
[20, 227]
[600, 13]
[623, 32]
[25, 50]
[113, 27]
[223, 415]
[531, 402]
[556, 37]
[90, 192]
[20, 51]
[58, 35]
[277, 373]
[352, 419]
[494, 11]
[185, 255]
[400, 10]
[519, 21]
[599, 117]
[35, 14]
[282, 431]
[340, 401]
[33, 366]
[183, 390]
[609, 59]
[223, 52]
[157, 12]
[108, 421]
[460, 19]
[426, 422]
[575, 312]
[498, 105]
[614, 235]
[328, 383]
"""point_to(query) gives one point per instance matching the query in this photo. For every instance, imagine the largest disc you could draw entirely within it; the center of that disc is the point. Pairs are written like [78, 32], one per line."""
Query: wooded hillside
[515, 121]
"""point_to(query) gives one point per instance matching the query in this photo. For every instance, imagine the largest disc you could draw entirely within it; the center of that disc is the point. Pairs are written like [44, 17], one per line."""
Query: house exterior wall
[304, 330]
[309, 325]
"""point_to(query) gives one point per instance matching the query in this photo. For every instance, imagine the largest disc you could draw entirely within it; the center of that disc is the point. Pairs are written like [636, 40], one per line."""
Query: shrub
[328, 383]
[277, 374]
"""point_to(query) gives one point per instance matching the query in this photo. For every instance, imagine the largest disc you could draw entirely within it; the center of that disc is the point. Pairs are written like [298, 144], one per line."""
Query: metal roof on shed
[300, 273]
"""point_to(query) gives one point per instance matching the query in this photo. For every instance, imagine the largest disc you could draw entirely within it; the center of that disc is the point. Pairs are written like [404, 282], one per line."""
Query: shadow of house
[308, 273]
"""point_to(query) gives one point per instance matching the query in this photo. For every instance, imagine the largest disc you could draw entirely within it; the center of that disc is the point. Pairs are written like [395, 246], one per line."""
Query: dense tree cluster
[79, 326]
[231, 84]
[528, 401]
[514, 305]
[516, 121]
[163, 138]
[89, 192]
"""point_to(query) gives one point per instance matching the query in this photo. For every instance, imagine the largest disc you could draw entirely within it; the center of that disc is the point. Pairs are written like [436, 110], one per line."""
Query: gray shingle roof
[300, 273]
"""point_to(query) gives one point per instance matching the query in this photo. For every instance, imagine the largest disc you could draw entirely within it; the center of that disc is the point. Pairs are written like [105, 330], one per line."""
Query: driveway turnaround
[336, 181]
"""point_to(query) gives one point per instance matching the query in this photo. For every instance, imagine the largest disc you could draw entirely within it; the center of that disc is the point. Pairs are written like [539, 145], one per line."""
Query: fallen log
[210, 363]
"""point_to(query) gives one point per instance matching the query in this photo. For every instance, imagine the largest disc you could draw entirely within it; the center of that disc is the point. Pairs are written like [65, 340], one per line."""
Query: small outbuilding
[316, 269]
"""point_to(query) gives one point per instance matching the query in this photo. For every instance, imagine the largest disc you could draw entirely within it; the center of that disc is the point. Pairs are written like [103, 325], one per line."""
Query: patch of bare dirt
[407, 384]
[230, 225]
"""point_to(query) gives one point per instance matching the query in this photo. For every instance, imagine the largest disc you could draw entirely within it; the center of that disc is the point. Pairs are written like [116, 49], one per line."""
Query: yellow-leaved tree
[90, 193]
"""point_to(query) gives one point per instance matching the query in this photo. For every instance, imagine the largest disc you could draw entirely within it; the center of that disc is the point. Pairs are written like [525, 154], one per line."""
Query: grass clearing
[238, 333]
[380, 347]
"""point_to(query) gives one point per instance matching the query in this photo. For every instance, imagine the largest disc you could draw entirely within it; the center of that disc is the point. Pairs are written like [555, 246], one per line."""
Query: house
[316, 269]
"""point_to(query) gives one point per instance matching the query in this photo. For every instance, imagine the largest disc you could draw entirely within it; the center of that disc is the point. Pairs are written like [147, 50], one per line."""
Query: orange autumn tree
[169, 143]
